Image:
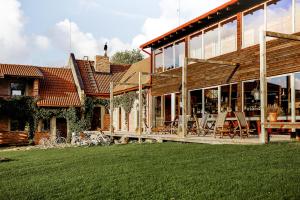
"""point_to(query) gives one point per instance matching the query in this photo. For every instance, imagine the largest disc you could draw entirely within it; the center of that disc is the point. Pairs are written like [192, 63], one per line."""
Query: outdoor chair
[243, 126]
[201, 126]
[220, 125]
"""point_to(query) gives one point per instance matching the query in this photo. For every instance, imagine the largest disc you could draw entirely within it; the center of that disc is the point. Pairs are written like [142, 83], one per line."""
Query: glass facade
[297, 15]
[168, 57]
[196, 46]
[297, 93]
[228, 31]
[253, 22]
[196, 103]
[179, 53]
[158, 63]
[211, 100]
[279, 16]
[279, 93]
[211, 42]
[252, 98]
[229, 97]
[158, 114]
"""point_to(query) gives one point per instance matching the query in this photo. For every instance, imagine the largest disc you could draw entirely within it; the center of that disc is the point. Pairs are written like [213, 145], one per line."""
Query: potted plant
[273, 112]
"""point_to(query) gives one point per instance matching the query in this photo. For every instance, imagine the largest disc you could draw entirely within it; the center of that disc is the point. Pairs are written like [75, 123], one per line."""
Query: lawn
[154, 171]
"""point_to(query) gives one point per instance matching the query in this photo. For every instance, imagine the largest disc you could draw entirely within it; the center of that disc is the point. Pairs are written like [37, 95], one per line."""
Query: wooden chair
[220, 126]
[243, 126]
[202, 125]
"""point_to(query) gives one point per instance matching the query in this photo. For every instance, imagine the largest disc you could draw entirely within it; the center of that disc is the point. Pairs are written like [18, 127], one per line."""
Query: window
[229, 97]
[253, 23]
[179, 53]
[17, 125]
[228, 31]
[279, 16]
[196, 103]
[252, 98]
[157, 118]
[279, 93]
[211, 100]
[46, 125]
[211, 42]
[297, 15]
[17, 89]
[178, 108]
[297, 94]
[168, 107]
[168, 57]
[196, 46]
[158, 66]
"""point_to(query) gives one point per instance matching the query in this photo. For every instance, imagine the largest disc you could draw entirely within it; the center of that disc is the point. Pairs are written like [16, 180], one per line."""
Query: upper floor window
[168, 57]
[179, 53]
[228, 31]
[17, 89]
[297, 15]
[158, 67]
[253, 22]
[211, 42]
[196, 46]
[279, 16]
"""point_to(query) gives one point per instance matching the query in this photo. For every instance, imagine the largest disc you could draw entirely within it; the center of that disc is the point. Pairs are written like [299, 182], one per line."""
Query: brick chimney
[102, 64]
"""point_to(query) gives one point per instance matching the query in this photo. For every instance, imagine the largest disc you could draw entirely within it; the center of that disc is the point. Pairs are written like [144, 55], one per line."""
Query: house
[228, 33]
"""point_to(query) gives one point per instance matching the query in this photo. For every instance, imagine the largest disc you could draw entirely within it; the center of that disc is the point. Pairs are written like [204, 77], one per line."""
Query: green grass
[154, 171]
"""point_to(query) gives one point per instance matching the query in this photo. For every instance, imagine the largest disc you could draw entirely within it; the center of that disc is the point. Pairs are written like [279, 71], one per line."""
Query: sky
[44, 32]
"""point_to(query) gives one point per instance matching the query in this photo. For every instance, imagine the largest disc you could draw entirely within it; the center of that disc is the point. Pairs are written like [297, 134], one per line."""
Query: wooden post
[184, 99]
[140, 104]
[53, 128]
[263, 88]
[293, 99]
[111, 103]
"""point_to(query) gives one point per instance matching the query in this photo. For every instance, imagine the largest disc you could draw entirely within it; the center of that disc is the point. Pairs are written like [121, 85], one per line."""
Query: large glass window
[158, 60]
[17, 89]
[158, 119]
[169, 57]
[229, 97]
[252, 98]
[179, 53]
[297, 15]
[297, 88]
[211, 42]
[279, 93]
[196, 103]
[279, 16]
[168, 108]
[253, 22]
[211, 100]
[196, 46]
[228, 31]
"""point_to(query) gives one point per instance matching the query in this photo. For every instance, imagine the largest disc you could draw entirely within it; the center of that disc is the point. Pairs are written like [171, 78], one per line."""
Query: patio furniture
[243, 127]
[201, 126]
[220, 126]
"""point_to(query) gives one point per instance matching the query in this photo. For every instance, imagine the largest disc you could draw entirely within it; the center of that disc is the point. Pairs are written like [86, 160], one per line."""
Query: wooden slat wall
[13, 138]
[283, 57]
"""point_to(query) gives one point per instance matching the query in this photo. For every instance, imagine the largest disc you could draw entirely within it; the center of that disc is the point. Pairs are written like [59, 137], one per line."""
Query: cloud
[13, 42]
[42, 42]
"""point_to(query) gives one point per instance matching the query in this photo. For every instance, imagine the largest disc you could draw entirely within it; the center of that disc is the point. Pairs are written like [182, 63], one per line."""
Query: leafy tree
[127, 57]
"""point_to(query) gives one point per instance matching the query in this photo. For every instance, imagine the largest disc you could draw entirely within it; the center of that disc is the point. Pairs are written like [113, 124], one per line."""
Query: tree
[127, 57]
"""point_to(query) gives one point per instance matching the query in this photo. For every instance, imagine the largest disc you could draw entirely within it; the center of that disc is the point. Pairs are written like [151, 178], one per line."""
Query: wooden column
[53, 128]
[184, 99]
[69, 134]
[293, 99]
[263, 88]
[162, 114]
[140, 104]
[39, 125]
[111, 104]
[240, 96]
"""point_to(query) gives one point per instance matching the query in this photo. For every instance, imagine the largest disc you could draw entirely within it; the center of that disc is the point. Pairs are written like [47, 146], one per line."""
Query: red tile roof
[102, 79]
[20, 71]
[57, 88]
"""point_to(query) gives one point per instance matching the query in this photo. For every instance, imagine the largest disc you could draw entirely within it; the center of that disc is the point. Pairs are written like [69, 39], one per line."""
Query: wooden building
[229, 33]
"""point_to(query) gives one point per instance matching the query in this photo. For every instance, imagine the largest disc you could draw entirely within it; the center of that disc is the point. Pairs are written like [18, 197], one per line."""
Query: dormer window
[17, 89]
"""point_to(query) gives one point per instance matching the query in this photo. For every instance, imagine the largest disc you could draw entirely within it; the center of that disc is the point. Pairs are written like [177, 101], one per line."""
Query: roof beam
[283, 36]
[218, 62]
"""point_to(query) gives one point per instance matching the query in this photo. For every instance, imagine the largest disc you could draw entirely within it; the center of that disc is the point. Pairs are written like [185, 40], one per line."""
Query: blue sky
[38, 31]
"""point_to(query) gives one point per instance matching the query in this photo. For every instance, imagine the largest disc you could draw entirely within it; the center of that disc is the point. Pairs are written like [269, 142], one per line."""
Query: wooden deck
[209, 139]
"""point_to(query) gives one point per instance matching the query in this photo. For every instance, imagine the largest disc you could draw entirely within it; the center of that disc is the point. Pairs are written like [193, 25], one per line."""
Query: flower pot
[272, 116]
